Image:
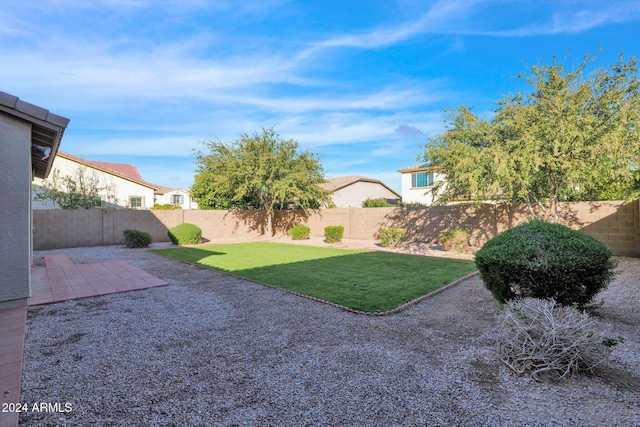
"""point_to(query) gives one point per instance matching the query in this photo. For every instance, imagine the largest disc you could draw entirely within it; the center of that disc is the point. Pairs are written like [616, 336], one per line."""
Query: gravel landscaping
[211, 349]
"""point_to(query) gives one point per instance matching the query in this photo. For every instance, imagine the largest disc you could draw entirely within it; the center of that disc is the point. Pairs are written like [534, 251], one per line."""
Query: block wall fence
[615, 223]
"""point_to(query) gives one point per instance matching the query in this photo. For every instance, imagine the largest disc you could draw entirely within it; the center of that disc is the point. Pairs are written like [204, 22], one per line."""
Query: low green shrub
[185, 234]
[165, 207]
[376, 203]
[392, 236]
[543, 260]
[333, 233]
[136, 239]
[456, 240]
[300, 232]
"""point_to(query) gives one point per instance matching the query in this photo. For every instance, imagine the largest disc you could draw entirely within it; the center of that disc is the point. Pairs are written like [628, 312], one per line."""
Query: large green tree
[574, 136]
[260, 171]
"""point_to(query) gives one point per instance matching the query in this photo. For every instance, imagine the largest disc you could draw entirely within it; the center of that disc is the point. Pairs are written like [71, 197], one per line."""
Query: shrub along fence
[617, 224]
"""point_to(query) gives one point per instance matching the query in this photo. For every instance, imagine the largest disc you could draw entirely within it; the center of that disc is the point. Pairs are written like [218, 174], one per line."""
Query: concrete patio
[59, 280]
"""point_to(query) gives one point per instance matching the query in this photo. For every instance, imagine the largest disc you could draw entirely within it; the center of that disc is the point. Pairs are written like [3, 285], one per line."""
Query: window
[176, 199]
[135, 202]
[422, 179]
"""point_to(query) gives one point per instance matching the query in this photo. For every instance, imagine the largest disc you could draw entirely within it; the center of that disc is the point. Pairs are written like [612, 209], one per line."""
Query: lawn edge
[342, 307]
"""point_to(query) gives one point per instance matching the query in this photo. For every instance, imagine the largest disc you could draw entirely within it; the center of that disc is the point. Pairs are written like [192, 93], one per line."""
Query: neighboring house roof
[46, 130]
[161, 189]
[416, 168]
[335, 184]
[121, 170]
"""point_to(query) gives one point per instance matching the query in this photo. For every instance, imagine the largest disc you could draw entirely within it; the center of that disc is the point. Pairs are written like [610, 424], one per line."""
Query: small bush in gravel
[333, 233]
[136, 239]
[541, 338]
[185, 234]
[544, 260]
[456, 240]
[392, 236]
[300, 232]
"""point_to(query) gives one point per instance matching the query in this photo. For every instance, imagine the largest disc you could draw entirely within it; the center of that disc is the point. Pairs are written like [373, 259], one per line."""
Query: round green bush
[185, 234]
[136, 238]
[333, 233]
[300, 232]
[548, 261]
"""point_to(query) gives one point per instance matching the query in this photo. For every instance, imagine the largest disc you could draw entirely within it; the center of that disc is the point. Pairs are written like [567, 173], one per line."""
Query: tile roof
[122, 170]
[46, 129]
[415, 168]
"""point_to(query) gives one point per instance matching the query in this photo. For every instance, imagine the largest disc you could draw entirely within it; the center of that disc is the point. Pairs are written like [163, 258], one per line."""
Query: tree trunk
[270, 231]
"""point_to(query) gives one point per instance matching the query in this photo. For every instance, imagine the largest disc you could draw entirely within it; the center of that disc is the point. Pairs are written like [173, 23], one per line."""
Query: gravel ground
[210, 349]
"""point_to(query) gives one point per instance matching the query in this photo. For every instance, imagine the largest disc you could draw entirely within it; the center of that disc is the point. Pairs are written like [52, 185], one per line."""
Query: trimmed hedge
[185, 234]
[136, 238]
[300, 232]
[333, 233]
[548, 261]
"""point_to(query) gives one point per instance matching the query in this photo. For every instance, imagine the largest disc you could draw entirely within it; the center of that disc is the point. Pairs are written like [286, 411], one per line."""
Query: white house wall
[353, 195]
[167, 199]
[418, 195]
[123, 189]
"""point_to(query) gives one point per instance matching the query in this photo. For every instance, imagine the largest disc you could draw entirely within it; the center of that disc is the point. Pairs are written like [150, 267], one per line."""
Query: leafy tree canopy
[575, 136]
[259, 171]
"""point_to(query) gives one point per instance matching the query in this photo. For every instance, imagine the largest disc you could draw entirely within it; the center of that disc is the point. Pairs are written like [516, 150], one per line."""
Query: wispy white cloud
[460, 17]
[440, 16]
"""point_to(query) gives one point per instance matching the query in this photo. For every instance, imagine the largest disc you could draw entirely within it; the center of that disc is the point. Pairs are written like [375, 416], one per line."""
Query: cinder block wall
[615, 223]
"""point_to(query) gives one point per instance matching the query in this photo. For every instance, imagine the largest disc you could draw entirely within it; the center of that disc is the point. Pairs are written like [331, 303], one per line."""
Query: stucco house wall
[352, 196]
[15, 211]
[167, 196]
[420, 195]
[416, 190]
[29, 138]
[120, 189]
[351, 191]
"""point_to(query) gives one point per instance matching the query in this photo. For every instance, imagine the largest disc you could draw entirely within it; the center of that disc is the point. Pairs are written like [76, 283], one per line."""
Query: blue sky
[363, 84]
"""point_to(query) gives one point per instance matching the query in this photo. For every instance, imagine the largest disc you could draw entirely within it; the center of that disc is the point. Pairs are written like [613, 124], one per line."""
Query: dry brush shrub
[392, 236]
[542, 338]
[455, 240]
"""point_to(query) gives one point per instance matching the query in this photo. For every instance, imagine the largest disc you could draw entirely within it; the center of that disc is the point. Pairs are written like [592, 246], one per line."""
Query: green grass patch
[365, 281]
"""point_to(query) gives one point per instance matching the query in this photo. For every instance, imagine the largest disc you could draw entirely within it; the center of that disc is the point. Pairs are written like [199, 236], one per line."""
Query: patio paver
[59, 280]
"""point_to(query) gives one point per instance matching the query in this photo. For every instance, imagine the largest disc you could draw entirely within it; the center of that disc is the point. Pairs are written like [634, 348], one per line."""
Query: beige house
[417, 183]
[352, 191]
[174, 196]
[121, 185]
[29, 137]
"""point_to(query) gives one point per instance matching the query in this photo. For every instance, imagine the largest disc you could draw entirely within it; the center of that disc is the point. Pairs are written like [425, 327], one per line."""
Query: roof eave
[47, 129]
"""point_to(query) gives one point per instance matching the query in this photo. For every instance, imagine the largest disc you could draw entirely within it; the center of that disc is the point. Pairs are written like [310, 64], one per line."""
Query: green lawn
[365, 281]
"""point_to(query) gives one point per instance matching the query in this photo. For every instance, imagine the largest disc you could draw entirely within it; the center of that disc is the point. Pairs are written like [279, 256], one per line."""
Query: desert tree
[573, 136]
[258, 171]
